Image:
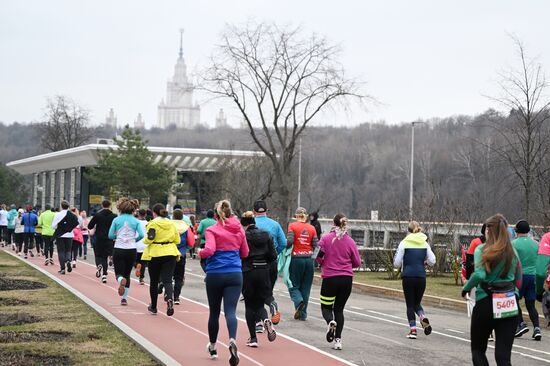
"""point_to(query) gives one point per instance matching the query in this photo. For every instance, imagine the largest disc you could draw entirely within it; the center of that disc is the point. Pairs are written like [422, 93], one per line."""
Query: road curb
[143, 343]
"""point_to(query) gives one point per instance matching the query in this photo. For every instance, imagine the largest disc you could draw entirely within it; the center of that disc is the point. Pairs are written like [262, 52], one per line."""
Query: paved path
[374, 332]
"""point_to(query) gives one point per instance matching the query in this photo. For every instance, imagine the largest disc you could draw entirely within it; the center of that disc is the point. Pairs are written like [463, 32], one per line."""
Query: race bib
[504, 305]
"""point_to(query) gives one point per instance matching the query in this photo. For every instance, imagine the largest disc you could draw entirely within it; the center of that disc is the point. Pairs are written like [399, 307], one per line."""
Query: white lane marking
[454, 331]
[388, 315]
[356, 308]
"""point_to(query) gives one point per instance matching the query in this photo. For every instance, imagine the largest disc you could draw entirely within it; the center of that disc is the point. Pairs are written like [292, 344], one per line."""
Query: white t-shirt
[3, 218]
[140, 245]
[18, 227]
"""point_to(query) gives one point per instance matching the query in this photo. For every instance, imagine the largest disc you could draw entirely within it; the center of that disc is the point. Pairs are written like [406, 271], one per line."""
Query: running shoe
[104, 279]
[32, 254]
[491, 337]
[259, 327]
[160, 290]
[412, 334]
[426, 325]
[212, 351]
[275, 313]
[299, 310]
[46, 262]
[25, 256]
[121, 286]
[110, 261]
[271, 334]
[331, 331]
[51, 261]
[61, 271]
[123, 302]
[537, 335]
[337, 344]
[152, 310]
[170, 307]
[74, 264]
[521, 329]
[84, 257]
[177, 301]
[138, 270]
[234, 359]
[99, 270]
[252, 342]
[69, 267]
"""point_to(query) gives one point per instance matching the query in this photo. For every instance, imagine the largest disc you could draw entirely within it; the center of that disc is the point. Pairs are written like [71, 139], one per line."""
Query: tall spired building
[178, 109]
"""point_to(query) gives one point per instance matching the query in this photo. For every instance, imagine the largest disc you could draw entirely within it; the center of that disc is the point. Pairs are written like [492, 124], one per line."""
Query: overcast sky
[420, 59]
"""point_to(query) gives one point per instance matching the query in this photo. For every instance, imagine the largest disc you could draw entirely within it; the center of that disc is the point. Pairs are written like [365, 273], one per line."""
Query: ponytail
[341, 225]
[223, 210]
[414, 227]
[160, 210]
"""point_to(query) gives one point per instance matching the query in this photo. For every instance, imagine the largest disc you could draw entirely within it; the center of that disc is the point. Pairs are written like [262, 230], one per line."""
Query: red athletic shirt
[303, 238]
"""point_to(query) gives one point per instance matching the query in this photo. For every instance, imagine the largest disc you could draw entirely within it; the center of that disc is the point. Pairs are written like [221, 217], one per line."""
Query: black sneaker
[537, 335]
[151, 310]
[252, 342]
[234, 359]
[62, 271]
[521, 330]
[271, 334]
[69, 267]
[212, 351]
[331, 331]
[426, 325]
[170, 307]
[299, 309]
[104, 279]
[177, 301]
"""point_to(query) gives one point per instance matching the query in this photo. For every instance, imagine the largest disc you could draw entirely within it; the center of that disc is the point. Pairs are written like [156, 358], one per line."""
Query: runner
[45, 220]
[125, 230]
[19, 232]
[314, 221]
[140, 246]
[103, 249]
[279, 241]
[38, 239]
[85, 234]
[29, 220]
[543, 275]
[78, 239]
[497, 276]
[187, 240]
[205, 224]
[256, 278]
[12, 214]
[412, 253]
[527, 250]
[64, 222]
[225, 246]
[162, 253]
[3, 225]
[301, 241]
[338, 255]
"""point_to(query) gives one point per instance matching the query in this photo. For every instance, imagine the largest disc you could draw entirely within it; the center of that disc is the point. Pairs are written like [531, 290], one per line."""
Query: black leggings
[335, 292]
[481, 327]
[256, 290]
[102, 250]
[179, 274]
[39, 243]
[123, 260]
[74, 250]
[19, 241]
[29, 242]
[413, 289]
[10, 236]
[533, 313]
[161, 268]
[48, 246]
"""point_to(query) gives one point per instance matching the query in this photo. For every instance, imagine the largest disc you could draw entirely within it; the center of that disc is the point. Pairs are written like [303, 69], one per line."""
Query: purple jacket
[338, 257]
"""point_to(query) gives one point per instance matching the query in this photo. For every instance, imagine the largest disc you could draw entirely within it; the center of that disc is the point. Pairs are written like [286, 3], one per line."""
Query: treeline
[460, 173]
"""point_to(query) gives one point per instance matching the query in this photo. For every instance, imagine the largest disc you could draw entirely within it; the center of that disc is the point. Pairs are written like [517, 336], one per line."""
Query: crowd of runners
[246, 255]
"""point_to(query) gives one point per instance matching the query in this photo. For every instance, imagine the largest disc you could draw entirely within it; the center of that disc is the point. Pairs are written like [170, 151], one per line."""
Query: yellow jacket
[164, 242]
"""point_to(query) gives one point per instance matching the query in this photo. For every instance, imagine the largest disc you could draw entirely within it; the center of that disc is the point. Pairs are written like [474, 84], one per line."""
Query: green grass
[92, 340]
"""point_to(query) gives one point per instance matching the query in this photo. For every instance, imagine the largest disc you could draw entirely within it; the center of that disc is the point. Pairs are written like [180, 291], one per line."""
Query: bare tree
[524, 135]
[65, 125]
[280, 81]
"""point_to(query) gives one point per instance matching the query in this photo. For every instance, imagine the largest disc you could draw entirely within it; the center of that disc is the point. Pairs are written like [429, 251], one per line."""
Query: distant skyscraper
[178, 109]
[111, 120]
[139, 123]
[221, 119]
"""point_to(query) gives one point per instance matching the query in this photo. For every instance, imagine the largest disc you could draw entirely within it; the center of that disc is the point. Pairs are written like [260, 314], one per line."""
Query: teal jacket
[12, 214]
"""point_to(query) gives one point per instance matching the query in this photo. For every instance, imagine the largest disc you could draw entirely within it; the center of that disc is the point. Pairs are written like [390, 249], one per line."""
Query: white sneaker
[337, 344]
[212, 351]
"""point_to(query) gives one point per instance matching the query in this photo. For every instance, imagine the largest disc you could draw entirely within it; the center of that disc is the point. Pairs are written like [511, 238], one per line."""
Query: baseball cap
[260, 206]
[522, 227]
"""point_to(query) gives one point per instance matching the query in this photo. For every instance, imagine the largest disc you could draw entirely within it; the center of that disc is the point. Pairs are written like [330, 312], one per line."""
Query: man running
[3, 224]
[103, 248]
[64, 222]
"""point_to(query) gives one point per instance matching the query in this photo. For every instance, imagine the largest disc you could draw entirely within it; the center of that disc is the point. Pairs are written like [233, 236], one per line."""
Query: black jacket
[261, 249]
[67, 224]
[102, 221]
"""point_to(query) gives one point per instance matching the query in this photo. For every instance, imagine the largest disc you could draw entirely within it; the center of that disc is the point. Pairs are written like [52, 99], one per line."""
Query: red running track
[184, 335]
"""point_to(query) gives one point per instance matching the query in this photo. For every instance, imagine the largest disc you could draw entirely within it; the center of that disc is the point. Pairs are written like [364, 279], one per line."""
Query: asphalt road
[375, 330]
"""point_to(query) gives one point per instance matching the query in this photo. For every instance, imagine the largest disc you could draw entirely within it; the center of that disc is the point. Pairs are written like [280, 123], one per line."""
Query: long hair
[340, 225]
[127, 206]
[223, 210]
[498, 247]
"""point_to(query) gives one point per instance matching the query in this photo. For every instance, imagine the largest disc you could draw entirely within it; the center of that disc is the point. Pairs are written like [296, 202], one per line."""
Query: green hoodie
[45, 220]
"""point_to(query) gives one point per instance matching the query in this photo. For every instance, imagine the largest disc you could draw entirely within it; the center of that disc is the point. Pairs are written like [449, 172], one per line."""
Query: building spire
[181, 43]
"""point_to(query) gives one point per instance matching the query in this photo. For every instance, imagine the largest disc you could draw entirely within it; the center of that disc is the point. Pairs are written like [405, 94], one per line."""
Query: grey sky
[419, 58]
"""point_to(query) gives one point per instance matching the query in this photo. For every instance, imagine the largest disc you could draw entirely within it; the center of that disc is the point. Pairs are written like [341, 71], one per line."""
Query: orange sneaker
[122, 286]
[138, 270]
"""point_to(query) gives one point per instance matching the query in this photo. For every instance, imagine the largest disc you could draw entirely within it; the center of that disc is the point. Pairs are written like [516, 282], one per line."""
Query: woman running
[338, 255]
[256, 278]
[302, 238]
[85, 234]
[19, 231]
[125, 230]
[411, 256]
[140, 246]
[497, 276]
[78, 239]
[225, 246]
[162, 253]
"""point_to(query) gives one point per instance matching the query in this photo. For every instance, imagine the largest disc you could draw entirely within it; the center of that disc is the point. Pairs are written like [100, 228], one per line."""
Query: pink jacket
[77, 235]
[337, 257]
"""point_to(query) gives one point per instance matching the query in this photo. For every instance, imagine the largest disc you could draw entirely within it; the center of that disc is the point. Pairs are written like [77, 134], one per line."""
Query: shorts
[527, 290]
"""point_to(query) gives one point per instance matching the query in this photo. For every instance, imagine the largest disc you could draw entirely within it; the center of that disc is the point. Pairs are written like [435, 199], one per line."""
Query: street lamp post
[412, 171]
[299, 172]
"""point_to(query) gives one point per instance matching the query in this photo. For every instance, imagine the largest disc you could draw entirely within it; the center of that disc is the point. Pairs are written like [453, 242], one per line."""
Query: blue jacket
[275, 231]
[29, 220]
[411, 255]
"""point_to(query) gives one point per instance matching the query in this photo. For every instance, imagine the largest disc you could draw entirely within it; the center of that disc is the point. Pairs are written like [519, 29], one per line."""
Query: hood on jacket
[314, 216]
[162, 223]
[181, 226]
[416, 238]
[232, 225]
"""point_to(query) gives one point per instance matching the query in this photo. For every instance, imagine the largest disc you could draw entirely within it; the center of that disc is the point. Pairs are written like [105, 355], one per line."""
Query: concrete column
[61, 185]
[72, 187]
[52, 188]
[35, 189]
[366, 238]
[387, 239]
[43, 196]
[172, 199]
